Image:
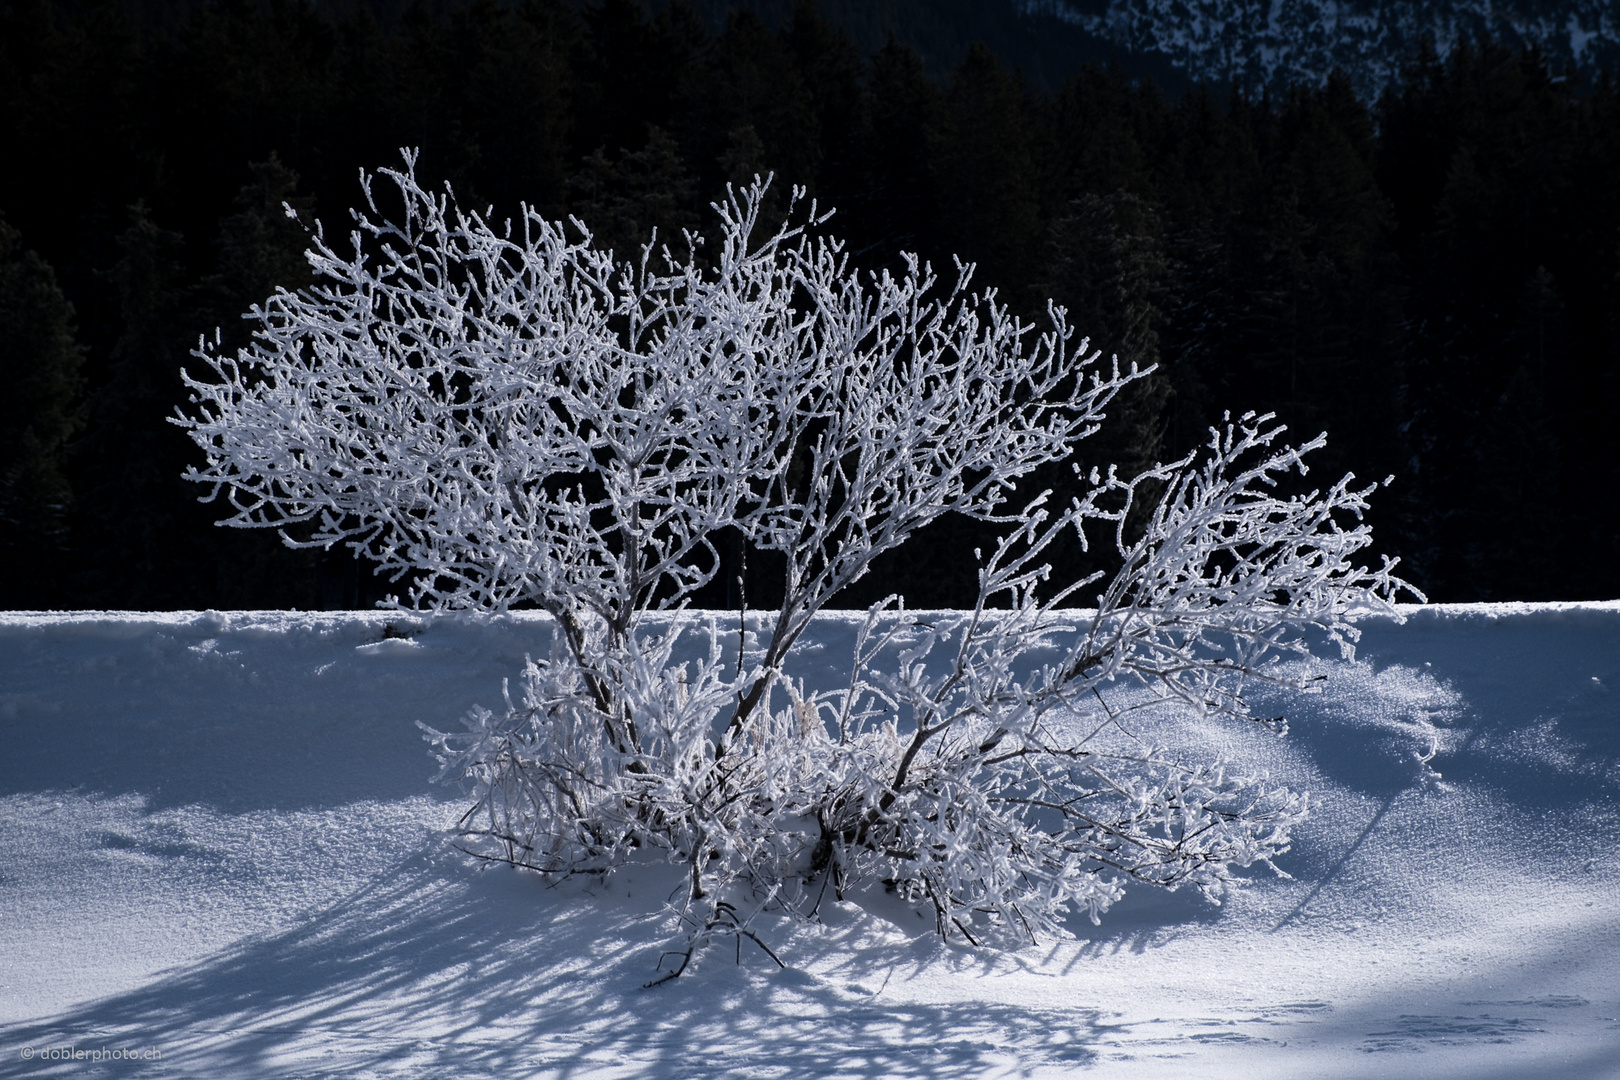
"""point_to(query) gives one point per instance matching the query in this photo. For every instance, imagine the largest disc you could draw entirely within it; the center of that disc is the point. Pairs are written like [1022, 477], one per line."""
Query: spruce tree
[986, 178]
[136, 551]
[905, 111]
[40, 361]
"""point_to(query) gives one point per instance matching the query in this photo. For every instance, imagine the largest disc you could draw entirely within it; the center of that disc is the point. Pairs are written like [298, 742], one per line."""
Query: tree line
[1433, 278]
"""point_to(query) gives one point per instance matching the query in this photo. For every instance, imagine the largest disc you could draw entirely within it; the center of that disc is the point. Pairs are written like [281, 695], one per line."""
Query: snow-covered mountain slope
[218, 843]
[1265, 42]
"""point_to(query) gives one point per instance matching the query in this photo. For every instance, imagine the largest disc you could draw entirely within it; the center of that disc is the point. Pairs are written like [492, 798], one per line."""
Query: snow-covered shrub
[510, 416]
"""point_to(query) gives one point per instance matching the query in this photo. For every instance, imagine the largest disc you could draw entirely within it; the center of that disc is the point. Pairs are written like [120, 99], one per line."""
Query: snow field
[217, 839]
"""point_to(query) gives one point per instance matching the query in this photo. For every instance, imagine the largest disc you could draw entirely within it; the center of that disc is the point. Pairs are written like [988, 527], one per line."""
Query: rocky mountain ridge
[1267, 43]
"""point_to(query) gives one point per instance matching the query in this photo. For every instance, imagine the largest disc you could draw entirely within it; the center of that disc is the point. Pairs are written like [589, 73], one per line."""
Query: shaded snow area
[218, 843]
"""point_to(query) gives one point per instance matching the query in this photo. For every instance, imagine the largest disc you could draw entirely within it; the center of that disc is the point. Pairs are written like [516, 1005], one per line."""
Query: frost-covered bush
[508, 415]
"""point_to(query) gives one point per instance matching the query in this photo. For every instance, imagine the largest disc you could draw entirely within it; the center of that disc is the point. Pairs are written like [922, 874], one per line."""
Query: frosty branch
[501, 414]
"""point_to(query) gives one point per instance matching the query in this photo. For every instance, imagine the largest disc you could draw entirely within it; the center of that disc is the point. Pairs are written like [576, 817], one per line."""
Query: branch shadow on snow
[1468, 1031]
[435, 967]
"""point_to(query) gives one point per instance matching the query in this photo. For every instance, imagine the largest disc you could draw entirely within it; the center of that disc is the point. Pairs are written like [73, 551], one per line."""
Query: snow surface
[218, 842]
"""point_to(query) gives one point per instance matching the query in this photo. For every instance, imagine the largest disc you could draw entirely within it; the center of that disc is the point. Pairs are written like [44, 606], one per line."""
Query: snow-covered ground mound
[218, 845]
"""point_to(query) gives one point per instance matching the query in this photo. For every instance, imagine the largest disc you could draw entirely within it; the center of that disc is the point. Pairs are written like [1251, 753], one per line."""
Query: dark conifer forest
[1433, 277]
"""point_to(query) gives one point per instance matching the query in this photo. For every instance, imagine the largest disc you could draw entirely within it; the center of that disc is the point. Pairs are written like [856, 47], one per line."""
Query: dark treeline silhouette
[1433, 278]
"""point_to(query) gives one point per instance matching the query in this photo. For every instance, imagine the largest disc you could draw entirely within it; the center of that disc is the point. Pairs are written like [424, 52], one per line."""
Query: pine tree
[829, 66]
[1107, 264]
[623, 201]
[757, 86]
[135, 551]
[989, 211]
[906, 113]
[1091, 141]
[40, 361]
[512, 94]
[260, 246]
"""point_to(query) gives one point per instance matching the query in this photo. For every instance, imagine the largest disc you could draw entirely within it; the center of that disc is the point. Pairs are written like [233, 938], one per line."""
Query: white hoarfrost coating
[504, 415]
